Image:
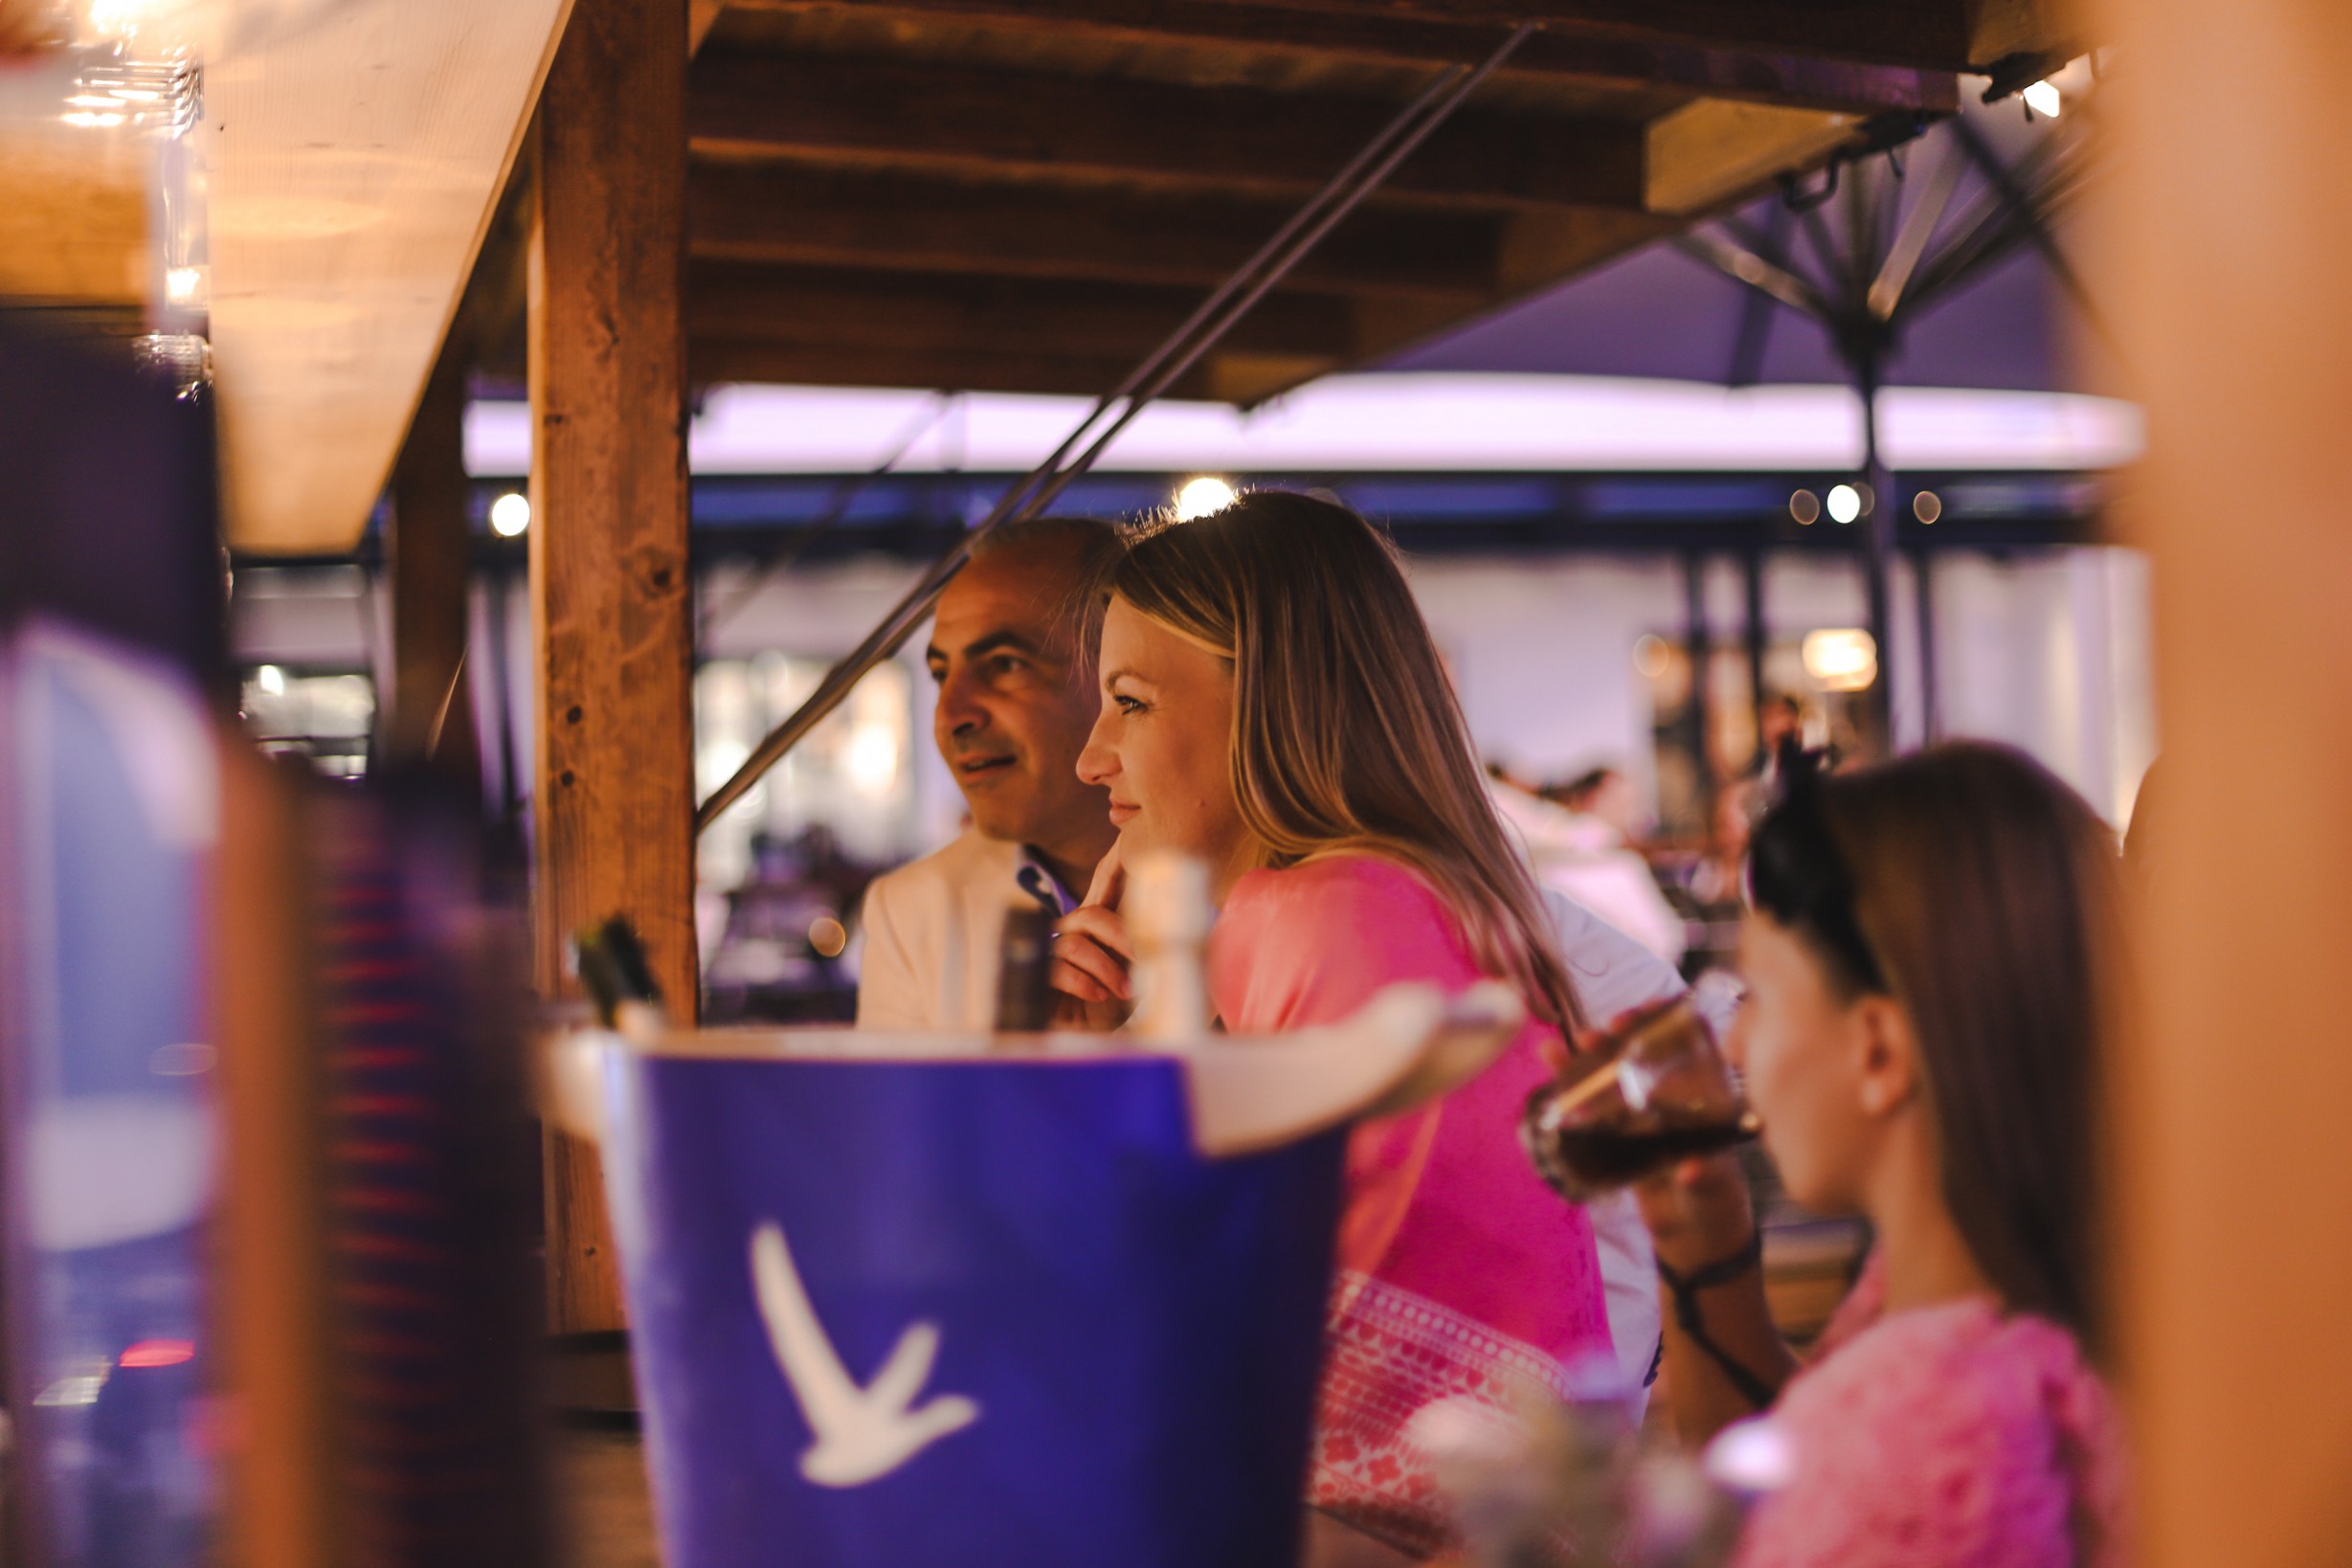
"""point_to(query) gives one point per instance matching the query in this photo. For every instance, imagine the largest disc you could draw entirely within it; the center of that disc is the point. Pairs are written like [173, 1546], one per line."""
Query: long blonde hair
[1346, 731]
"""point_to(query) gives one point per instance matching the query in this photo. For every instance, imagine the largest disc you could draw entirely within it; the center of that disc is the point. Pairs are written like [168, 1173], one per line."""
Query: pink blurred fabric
[1459, 1273]
[1955, 1436]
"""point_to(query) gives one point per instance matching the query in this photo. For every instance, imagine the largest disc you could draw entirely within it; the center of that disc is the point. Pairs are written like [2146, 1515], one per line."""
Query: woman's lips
[1121, 812]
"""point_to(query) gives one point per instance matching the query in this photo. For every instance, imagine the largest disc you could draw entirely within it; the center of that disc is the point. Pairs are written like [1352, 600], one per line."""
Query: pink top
[1459, 1273]
[1954, 1436]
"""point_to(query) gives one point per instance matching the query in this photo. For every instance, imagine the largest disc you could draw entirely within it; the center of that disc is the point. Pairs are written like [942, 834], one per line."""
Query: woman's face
[1803, 1050]
[1162, 744]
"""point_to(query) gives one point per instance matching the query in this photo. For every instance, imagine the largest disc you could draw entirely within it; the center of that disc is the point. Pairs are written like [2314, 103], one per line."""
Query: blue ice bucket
[896, 1304]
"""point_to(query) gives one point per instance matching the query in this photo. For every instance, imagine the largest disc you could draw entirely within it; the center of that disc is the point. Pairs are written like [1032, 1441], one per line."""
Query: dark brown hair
[1979, 891]
[1346, 731]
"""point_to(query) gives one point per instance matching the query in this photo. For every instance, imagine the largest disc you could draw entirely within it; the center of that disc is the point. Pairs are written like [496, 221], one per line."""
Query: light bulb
[510, 514]
[1201, 497]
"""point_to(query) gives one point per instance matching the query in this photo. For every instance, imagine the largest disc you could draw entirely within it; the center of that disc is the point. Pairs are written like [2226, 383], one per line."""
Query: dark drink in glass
[1654, 1091]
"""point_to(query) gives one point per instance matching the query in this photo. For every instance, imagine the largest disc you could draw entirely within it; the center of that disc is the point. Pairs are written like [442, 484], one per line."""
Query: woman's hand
[1697, 1210]
[1092, 954]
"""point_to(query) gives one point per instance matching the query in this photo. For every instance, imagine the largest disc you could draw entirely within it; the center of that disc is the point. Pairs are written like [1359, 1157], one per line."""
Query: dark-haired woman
[1928, 962]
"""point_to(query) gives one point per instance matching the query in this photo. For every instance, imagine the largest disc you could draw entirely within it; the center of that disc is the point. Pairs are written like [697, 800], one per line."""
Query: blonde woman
[1273, 705]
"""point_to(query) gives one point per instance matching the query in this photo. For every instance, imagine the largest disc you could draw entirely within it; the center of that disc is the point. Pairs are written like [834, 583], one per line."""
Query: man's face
[1016, 702]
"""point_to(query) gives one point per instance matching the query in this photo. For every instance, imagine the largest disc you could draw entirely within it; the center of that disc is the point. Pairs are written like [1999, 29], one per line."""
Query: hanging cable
[1159, 371]
[846, 495]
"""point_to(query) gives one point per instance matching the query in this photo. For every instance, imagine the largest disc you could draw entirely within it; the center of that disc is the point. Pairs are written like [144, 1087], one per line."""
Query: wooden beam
[1557, 57]
[2226, 1092]
[1709, 152]
[353, 164]
[1140, 132]
[914, 312]
[611, 622]
[1923, 35]
[907, 220]
[430, 720]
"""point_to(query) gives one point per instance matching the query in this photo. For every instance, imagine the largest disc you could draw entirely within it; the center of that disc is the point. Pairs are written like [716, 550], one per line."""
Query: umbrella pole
[1877, 549]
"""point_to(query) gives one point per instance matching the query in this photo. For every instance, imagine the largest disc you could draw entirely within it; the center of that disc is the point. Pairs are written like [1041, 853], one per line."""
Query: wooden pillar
[610, 623]
[431, 719]
[2223, 266]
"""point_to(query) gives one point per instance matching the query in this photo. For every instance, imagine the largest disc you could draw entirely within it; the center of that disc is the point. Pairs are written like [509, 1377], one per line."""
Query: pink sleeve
[1313, 944]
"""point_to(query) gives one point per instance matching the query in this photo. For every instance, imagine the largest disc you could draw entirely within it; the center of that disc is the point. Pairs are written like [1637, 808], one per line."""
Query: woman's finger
[1072, 982]
[1084, 954]
[1110, 880]
[1103, 927]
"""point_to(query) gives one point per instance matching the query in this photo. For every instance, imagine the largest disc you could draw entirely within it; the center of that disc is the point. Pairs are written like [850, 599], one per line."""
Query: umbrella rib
[1756, 311]
[1918, 226]
[2031, 213]
[1744, 266]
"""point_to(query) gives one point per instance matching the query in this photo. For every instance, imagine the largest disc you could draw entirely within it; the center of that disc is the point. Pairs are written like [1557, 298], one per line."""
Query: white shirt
[930, 938]
[1586, 859]
[1613, 974]
[931, 930]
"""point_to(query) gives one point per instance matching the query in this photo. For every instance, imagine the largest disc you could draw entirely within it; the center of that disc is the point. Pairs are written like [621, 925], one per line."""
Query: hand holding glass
[1653, 1090]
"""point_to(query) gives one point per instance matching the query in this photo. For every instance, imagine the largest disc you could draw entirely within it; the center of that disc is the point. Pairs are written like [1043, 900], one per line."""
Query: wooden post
[609, 609]
[432, 716]
[2222, 264]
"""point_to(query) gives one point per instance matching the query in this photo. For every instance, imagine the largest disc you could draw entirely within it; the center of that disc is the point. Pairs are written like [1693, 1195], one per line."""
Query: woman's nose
[1098, 761]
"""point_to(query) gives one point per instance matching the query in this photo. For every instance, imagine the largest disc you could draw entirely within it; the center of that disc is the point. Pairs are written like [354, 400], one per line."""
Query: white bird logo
[863, 1434]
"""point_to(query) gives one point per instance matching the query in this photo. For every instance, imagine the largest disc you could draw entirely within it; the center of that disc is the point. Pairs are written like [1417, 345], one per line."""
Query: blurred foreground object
[1568, 1484]
[2235, 1237]
[110, 819]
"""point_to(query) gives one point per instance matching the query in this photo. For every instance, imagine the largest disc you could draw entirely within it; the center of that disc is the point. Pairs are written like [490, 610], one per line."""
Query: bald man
[1012, 651]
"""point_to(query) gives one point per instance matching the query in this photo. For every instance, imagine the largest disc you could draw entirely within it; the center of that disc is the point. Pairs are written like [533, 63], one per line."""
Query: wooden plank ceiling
[1027, 194]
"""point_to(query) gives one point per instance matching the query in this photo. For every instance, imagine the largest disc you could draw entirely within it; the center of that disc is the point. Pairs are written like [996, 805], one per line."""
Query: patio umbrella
[1928, 256]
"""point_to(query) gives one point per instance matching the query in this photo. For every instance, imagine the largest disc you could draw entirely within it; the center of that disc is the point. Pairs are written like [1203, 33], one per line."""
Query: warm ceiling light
[1805, 507]
[1845, 504]
[1842, 658]
[2043, 98]
[1201, 497]
[271, 678]
[1927, 507]
[510, 514]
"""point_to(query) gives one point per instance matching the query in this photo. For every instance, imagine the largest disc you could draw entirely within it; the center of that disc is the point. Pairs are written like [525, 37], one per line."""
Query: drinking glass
[1656, 1090]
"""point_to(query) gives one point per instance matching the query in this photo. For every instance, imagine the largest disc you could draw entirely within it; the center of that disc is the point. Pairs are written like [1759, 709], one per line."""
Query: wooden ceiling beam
[909, 221]
[1559, 55]
[1138, 132]
[1918, 34]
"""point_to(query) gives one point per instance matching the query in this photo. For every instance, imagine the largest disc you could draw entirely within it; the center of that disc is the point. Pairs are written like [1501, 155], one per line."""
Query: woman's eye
[1129, 705]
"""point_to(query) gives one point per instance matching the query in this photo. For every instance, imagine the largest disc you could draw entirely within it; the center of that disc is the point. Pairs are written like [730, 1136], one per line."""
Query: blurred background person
[1580, 842]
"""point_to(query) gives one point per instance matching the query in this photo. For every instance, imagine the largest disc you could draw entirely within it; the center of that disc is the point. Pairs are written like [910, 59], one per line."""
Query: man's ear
[1889, 1071]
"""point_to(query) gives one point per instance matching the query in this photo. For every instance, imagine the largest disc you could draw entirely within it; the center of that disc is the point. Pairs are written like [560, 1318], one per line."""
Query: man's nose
[958, 713]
